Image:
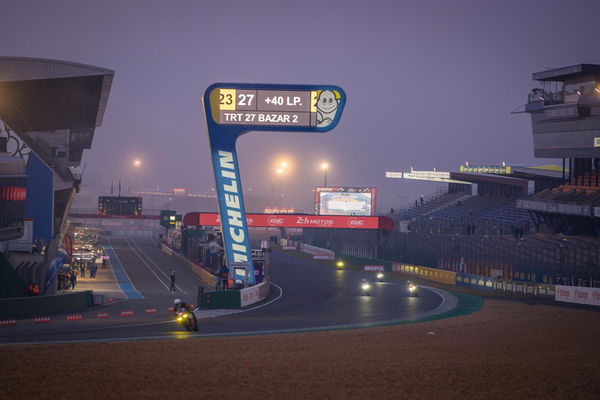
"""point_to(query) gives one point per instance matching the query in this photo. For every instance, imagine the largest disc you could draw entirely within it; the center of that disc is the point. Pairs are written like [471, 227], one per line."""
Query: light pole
[324, 167]
[280, 172]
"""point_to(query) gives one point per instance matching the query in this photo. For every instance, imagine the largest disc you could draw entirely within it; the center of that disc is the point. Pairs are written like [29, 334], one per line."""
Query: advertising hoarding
[295, 221]
[345, 201]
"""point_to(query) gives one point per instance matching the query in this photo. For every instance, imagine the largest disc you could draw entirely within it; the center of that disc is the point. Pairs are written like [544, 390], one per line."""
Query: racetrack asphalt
[305, 296]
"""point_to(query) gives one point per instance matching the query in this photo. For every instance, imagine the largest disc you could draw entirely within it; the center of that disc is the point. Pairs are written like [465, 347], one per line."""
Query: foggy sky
[429, 83]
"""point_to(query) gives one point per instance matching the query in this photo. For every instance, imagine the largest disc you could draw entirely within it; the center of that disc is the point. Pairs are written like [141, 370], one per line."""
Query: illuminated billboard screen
[344, 201]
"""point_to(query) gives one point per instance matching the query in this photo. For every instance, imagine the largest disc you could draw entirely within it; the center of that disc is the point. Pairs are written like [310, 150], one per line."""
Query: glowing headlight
[379, 275]
[340, 263]
[365, 286]
[179, 319]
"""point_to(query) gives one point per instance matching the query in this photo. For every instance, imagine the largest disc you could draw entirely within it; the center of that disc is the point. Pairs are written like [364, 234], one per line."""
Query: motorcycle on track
[365, 287]
[187, 319]
[412, 288]
[184, 315]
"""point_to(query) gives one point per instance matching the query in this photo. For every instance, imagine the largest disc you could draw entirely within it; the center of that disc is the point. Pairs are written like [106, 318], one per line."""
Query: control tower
[565, 117]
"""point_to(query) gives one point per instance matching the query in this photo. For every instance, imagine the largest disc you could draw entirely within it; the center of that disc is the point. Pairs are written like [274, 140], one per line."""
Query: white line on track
[152, 261]
[146, 264]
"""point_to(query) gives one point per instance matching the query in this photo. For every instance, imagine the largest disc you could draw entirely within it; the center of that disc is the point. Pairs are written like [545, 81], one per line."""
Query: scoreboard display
[119, 205]
[345, 201]
[301, 108]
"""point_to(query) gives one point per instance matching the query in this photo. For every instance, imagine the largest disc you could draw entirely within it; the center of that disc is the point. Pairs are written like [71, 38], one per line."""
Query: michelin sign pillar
[233, 109]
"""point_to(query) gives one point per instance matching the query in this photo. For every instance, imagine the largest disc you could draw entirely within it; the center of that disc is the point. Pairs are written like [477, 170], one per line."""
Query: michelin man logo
[327, 105]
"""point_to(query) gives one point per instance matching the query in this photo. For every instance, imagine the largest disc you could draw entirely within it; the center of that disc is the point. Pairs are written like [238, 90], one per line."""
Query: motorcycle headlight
[185, 316]
[179, 319]
[365, 286]
[380, 275]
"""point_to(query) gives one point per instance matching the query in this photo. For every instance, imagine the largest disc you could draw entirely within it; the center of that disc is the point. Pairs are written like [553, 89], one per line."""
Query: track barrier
[127, 313]
[8, 322]
[74, 317]
[41, 320]
[102, 315]
[151, 311]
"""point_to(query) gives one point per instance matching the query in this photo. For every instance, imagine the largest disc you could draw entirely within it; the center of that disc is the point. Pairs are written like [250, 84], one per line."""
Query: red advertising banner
[296, 221]
[577, 294]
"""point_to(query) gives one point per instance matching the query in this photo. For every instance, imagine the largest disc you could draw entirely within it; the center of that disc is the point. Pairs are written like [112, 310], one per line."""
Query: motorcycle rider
[182, 306]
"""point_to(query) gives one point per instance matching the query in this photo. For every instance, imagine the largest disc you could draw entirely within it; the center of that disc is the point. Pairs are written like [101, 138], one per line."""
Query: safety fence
[571, 294]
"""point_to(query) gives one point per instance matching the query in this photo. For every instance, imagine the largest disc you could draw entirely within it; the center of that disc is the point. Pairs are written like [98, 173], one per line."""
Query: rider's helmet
[177, 302]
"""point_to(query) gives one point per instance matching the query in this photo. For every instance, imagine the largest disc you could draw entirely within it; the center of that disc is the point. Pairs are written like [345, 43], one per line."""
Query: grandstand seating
[589, 179]
[571, 194]
[430, 204]
[485, 209]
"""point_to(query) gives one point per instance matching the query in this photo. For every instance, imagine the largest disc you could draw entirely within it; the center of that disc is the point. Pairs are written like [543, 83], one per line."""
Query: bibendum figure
[327, 105]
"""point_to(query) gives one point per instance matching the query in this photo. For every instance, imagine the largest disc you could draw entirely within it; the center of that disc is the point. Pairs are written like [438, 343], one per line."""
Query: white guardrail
[318, 253]
[254, 294]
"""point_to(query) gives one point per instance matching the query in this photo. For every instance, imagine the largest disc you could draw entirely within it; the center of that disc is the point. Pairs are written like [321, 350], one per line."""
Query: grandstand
[528, 223]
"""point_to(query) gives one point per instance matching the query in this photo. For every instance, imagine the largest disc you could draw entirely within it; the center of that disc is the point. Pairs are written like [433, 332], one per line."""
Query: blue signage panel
[232, 109]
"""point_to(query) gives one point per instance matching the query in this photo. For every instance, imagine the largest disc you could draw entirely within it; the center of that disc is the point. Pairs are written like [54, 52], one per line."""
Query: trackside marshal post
[232, 109]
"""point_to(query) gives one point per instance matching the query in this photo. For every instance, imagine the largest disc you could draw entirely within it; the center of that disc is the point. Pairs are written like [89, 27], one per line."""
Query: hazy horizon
[429, 84]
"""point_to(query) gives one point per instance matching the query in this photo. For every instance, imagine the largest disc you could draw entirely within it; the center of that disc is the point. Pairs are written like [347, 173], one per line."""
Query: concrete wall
[41, 306]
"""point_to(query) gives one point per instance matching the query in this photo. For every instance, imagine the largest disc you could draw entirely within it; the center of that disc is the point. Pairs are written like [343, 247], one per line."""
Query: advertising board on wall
[374, 268]
[295, 221]
[577, 294]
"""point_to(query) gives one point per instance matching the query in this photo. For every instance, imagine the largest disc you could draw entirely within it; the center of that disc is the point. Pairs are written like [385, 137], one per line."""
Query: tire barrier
[151, 311]
[41, 320]
[102, 315]
[128, 313]
[74, 317]
[8, 322]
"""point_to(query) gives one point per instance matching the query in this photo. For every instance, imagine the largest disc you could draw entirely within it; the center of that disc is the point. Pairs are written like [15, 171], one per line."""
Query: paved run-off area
[508, 349]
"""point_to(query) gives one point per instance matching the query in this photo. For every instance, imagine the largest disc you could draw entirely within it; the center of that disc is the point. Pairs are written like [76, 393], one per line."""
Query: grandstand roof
[546, 171]
[491, 178]
[40, 94]
[565, 73]
[42, 99]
